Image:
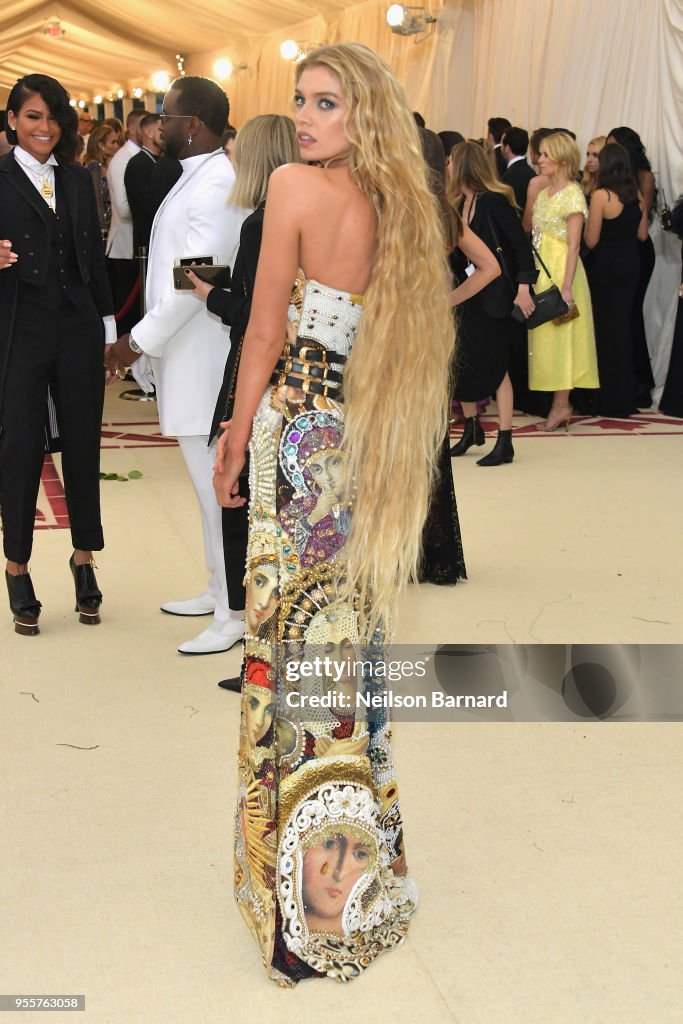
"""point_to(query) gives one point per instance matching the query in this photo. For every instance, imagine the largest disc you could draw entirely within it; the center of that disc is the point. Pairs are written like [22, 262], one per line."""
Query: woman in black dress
[616, 222]
[671, 401]
[487, 331]
[54, 295]
[645, 181]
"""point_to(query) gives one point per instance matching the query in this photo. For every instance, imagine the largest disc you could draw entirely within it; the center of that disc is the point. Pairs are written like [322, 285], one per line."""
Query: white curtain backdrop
[571, 63]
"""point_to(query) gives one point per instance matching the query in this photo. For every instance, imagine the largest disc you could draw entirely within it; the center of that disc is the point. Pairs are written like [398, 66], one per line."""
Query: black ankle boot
[502, 450]
[24, 604]
[472, 433]
[88, 594]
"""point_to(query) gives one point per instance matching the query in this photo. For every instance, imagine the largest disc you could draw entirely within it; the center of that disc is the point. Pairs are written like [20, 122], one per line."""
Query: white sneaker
[214, 640]
[202, 604]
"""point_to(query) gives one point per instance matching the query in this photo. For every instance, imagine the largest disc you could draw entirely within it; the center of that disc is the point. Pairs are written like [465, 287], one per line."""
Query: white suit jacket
[188, 345]
[120, 238]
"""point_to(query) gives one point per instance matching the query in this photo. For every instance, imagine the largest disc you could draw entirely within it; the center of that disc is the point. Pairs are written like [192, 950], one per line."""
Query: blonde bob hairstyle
[264, 143]
[397, 378]
[563, 150]
[471, 168]
[589, 181]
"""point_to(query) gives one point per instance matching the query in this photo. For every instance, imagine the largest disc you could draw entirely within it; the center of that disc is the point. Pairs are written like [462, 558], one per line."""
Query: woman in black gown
[645, 180]
[671, 401]
[487, 332]
[616, 222]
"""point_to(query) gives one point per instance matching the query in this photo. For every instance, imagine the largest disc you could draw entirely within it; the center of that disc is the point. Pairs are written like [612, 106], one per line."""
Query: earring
[189, 140]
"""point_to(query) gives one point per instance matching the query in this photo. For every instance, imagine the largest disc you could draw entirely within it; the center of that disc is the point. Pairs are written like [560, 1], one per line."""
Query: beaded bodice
[323, 315]
[551, 212]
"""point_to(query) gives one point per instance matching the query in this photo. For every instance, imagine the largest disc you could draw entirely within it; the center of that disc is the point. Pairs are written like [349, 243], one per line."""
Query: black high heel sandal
[24, 604]
[88, 594]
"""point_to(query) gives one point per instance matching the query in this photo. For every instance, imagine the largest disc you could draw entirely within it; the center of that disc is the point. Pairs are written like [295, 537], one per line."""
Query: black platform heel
[472, 433]
[88, 594]
[24, 604]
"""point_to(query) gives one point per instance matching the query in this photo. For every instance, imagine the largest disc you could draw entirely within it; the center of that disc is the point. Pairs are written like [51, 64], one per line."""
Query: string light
[180, 64]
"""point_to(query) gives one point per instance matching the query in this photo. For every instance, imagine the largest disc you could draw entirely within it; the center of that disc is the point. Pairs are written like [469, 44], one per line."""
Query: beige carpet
[547, 855]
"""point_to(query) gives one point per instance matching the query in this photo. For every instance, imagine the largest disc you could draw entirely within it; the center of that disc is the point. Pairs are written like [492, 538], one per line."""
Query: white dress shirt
[120, 238]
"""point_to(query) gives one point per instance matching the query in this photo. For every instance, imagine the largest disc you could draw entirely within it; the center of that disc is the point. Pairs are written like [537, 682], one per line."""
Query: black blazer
[137, 180]
[233, 305]
[24, 221]
[518, 177]
[500, 161]
[499, 227]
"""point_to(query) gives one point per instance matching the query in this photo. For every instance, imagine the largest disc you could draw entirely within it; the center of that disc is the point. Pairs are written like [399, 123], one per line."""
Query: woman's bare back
[338, 229]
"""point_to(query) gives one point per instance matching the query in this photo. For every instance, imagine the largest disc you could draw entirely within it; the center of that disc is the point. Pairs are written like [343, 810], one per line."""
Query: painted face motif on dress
[320, 112]
[263, 595]
[331, 868]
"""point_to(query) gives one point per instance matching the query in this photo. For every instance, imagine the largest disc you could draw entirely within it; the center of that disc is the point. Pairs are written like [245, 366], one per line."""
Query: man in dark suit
[518, 174]
[138, 179]
[496, 127]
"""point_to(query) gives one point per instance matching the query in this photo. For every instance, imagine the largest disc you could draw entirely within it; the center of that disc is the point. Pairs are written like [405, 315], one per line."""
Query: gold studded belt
[308, 367]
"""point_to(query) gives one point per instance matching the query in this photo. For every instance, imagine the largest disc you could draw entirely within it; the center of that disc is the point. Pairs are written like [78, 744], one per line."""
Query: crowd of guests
[515, 227]
[550, 222]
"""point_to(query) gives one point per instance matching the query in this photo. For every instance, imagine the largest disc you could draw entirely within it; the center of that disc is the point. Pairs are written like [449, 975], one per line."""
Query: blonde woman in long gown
[561, 357]
[320, 863]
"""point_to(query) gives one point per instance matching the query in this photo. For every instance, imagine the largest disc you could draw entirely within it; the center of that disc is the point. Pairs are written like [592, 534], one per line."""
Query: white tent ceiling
[108, 45]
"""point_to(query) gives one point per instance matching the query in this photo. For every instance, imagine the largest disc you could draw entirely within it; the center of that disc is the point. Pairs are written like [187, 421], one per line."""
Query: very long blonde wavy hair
[396, 381]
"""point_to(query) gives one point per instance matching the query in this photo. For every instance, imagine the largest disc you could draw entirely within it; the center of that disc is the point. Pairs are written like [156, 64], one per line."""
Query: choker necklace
[333, 159]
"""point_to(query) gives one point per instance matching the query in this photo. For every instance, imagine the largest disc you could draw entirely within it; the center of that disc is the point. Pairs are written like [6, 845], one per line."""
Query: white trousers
[199, 460]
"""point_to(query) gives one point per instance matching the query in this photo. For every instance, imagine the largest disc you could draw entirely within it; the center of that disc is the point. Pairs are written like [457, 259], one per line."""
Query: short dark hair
[615, 172]
[205, 99]
[497, 126]
[229, 133]
[450, 139]
[136, 114]
[537, 138]
[148, 119]
[517, 139]
[56, 99]
[566, 131]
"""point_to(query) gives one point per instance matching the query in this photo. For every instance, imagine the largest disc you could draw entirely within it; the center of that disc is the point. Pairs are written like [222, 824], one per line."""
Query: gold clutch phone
[571, 314]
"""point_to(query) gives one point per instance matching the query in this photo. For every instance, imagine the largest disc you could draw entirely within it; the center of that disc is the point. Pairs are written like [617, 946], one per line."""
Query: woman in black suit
[487, 331]
[54, 295]
[264, 143]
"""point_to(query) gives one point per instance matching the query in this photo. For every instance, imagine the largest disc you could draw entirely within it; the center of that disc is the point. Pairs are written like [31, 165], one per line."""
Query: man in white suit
[186, 346]
[120, 256]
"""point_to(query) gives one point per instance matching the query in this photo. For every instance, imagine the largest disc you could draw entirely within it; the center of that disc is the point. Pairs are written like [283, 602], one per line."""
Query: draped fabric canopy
[586, 66]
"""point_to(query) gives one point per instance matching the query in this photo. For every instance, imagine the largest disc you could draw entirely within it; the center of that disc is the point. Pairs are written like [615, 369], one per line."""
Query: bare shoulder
[291, 179]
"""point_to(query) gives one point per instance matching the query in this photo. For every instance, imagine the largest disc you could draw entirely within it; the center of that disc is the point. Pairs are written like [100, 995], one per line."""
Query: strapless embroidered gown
[319, 865]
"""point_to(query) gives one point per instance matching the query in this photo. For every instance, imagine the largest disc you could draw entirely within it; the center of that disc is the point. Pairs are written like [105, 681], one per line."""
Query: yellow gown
[563, 357]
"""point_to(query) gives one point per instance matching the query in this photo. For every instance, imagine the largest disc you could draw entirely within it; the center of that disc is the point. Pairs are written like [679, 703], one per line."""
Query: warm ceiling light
[223, 68]
[72, 103]
[161, 80]
[289, 50]
[137, 93]
[97, 99]
[81, 104]
[408, 21]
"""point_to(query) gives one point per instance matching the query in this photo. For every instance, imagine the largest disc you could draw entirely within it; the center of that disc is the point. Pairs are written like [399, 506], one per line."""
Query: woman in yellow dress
[561, 357]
